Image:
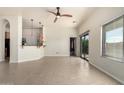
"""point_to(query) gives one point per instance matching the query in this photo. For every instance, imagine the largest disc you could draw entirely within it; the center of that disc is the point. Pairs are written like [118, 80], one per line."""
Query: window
[113, 38]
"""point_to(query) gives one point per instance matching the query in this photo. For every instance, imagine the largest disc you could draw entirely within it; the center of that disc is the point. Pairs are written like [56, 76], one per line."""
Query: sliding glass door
[84, 42]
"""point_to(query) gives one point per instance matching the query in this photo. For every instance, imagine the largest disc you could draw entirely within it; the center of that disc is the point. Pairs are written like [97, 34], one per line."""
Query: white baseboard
[122, 82]
[12, 62]
[56, 55]
[29, 60]
[1, 60]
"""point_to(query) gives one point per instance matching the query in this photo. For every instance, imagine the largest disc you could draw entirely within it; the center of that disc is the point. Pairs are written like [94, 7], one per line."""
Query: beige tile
[53, 70]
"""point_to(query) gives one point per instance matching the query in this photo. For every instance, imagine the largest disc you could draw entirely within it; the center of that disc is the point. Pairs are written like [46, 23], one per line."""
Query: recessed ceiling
[40, 14]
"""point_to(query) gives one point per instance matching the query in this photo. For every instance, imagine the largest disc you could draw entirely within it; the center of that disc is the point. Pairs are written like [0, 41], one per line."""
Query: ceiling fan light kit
[58, 14]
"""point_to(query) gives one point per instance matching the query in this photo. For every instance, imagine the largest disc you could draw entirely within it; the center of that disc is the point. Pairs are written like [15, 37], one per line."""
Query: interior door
[72, 46]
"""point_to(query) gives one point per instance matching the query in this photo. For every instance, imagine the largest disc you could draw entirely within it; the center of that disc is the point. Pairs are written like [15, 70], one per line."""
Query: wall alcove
[5, 40]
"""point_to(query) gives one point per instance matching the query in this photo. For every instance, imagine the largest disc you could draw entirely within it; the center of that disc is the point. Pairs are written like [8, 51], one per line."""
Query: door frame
[84, 34]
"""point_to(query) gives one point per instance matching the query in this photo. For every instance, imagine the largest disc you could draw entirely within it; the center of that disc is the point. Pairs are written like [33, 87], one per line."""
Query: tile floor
[53, 71]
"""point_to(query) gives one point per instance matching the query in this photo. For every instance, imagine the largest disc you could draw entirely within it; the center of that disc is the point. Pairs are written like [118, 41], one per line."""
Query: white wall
[58, 40]
[27, 53]
[98, 18]
[13, 38]
[30, 53]
[78, 46]
[17, 53]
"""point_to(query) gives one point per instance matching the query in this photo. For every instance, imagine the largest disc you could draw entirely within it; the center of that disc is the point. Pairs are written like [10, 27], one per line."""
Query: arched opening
[5, 40]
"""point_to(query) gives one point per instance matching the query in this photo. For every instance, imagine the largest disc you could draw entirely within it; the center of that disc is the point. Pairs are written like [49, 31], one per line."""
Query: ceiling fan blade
[55, 19]
[66, 15]
[52, 12]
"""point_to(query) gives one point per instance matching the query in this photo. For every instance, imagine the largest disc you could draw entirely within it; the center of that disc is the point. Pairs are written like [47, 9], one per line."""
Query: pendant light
[32, 20]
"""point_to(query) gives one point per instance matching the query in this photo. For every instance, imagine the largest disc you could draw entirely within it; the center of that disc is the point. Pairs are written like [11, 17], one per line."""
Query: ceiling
[40, 14]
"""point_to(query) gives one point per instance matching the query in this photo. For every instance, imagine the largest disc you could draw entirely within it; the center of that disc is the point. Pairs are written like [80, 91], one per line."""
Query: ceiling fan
[58, 14]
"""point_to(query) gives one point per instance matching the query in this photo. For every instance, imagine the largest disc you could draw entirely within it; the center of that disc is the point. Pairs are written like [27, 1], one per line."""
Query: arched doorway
[5, 40]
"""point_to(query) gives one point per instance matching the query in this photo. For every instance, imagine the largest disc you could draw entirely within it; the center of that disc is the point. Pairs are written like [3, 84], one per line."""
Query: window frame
[103, 38]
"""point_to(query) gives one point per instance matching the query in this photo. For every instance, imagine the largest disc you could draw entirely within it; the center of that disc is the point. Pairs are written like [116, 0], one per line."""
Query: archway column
[1, 41]
[14, 29]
